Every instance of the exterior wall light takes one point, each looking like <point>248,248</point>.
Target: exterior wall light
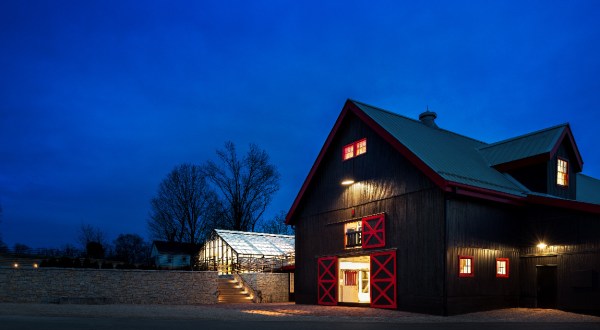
<point>347,182</point>
<point>16,265</point>
<point>35,265</point>
<point>541,245</point>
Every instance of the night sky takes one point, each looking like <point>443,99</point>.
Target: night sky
<point>99,100</point>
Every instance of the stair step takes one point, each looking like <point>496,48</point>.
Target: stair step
<point>231,292</point>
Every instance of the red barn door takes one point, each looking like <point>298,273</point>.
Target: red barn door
<point>383,279</point>
<point>373,231</point>
<point>327,280</point>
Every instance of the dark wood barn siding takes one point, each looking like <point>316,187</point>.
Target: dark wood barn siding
<point>485,231</point>
<point>564,151</point>
<point>534,177</point>
<point>573,241</point>
<point>385,182</point>
<point>527,278</point>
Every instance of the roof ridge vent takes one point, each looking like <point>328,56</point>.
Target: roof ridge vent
<point>428,118</point>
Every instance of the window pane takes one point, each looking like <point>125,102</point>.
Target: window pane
<point>501,267</point>
<point>353,232</point>
<point>562,172</point>
<point>348,152</point>
<point>465,266</point>
<point>361,147</point>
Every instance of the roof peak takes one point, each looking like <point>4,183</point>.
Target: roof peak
<point>518,137</point>
<point>417,121</point>
<point>240,232</point>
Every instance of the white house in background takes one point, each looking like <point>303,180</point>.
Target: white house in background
<point>172,255</point>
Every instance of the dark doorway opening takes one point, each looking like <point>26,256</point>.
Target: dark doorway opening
<point>546,286</point>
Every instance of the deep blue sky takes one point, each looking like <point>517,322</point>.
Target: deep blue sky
<point>99,100</point>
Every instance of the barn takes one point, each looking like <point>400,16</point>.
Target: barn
<point>399,213</point>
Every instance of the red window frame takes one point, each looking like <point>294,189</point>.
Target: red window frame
<point>472,264</point>
<point>345,154</point>
<point>559,173</point>
<point>507,267</point>
<point>354,146</point>
<point>373,231</point>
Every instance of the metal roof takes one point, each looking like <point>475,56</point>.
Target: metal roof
<point>257,243</point>
<point>455,157</point>
<point>523,146</point>
<point>463,160</point>
<point>588,189</point>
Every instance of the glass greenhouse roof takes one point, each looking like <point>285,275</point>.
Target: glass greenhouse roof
<point>257,243</point>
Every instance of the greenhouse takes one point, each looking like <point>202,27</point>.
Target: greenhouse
<point>228,251</point>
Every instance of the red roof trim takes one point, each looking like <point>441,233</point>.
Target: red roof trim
<point>523,162</point>
<point>403,150</point>
<point>564,203</point>
<point>481,193</point>
<point>349,106</point>
<point>313,169</point>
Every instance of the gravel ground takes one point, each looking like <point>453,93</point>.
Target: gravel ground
<point>285,312</point>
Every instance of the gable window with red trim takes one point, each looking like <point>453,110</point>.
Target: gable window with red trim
<point>354,149</point>
<point>502,267</point>
<point>465,266</point>
<point>562,172</point>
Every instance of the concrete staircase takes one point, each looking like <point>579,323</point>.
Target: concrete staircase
<point>231,292</point>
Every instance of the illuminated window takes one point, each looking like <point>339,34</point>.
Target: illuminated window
<point>465,266</point>
<point>350,277</point>
<point>354,149</point>
<point>562,173</point>
<point>361,147</point>
<point>502,267</point>
<point>353,232</point>
<point>348,151</point>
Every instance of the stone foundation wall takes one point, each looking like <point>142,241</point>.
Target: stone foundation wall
<point>62,285</point>
<point>271,287</point>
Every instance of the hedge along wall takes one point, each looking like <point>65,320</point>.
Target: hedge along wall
<point>273,287</point>
<point>56,285</point>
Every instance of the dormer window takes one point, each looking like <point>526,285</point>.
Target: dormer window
<point>354,149</point>
<point>562,173</point>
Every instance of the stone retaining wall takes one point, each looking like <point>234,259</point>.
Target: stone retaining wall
<point>64,285</point>
<point>271,287</point>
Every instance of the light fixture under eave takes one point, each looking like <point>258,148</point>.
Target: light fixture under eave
<point>347,182</point>
<point>541,245</point>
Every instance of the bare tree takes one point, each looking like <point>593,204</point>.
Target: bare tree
<point>245,185</point>
<point>131,248</point>
<point>90,234</point>
<point>182,210</point>
<point>276,225</point>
